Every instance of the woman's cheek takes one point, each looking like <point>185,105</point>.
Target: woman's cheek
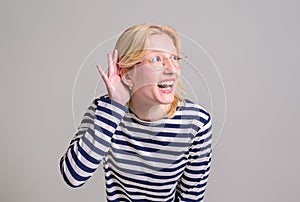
<point>145,78</point>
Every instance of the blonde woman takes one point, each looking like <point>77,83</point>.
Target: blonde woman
<point>154,144</point>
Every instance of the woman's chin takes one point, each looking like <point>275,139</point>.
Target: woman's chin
<point>166,98</point>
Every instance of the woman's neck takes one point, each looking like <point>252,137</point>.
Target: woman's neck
<point>149,112</point>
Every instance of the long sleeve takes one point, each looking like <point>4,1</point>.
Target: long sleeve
<point>192,184</point>
<point>92,141</point>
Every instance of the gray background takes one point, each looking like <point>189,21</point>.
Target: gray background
<point>255,45</point>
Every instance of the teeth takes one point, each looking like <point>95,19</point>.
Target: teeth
<point>166,83</point>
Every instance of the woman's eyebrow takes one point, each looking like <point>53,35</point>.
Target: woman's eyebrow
<point>161,51</point>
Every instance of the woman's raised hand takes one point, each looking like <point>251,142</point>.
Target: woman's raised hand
<point>117,90</point>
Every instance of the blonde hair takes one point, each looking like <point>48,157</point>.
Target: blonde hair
<point>132,45</point>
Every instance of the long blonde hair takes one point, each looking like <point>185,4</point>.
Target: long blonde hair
<point>132,45</point>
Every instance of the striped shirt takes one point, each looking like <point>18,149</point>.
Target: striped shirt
<point>164,160</point>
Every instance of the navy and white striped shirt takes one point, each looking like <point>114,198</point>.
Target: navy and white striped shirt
<point>164,160</point>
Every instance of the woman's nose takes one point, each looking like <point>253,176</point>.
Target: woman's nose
<point>169,67</point>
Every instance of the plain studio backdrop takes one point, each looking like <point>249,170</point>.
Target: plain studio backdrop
<point>48,77</point>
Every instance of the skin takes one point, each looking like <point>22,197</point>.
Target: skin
<point>147,100</point>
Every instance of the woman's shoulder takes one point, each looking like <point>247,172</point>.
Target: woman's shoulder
<point>191,105</point>
<point>195,110</point>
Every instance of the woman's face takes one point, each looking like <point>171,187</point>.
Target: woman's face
<point>154,86</point>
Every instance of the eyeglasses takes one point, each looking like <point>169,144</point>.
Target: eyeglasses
<point>158,61</point>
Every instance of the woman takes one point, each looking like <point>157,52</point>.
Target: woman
<point>153,144</point>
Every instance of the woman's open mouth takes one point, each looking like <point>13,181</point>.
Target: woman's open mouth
<point>166,86</point>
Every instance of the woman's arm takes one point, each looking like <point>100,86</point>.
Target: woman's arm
<point>92,141</point>
<point>192,184</point>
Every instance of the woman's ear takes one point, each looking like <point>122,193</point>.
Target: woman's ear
<point>126,77</point>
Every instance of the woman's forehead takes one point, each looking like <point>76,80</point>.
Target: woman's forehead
<point>161,42</point>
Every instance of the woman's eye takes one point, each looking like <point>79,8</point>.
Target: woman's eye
<point>174,57</point>
<point>156,59</point>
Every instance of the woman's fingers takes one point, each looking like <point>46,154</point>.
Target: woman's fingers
<point>116,89</point>
<point>103,74</point>
<point>115,56</point>
<point>115,60</point>
<point>110,65</point>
